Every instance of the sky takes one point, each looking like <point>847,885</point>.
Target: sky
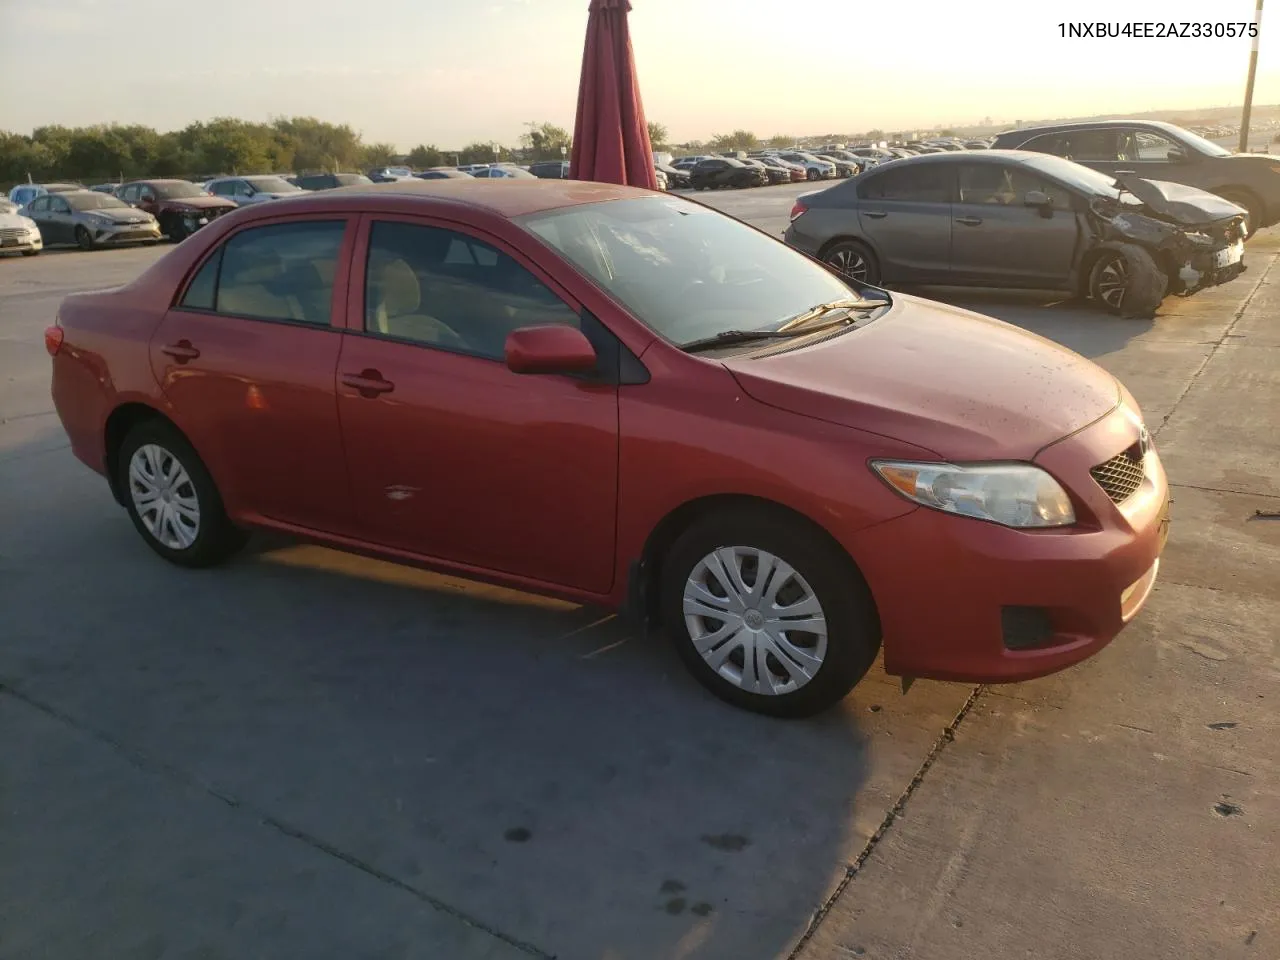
<point>450,72</point>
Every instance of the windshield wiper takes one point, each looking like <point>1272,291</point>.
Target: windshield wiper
<point>729,338</point>
<point>822,309</point>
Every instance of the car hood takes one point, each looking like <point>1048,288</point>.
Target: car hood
<point>197,203</point>
<point>1188,206</point>
<point>965,386</point>
<point>127,215</point>
<point>12,221</point>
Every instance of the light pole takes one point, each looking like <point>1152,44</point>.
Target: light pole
<point>1248,89</point>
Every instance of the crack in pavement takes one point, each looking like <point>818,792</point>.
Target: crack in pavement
<point>1217,345</point>
<point>159,767</point>
<point>947,736</point>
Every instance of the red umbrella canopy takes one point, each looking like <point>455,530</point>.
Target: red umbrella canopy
<point>610,135</point>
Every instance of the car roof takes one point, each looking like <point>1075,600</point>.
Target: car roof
<point>961,156</point>
<point>154,180</point>
<point>504,197</point>
<point>1090,125</point>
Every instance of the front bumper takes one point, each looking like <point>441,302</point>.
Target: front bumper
<point>15,242</point>
<point>1209,269</point>
<point>126,233</point>
<point>958,598</point>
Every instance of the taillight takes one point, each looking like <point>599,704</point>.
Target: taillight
<point>53,339</point>
<point>796,211</point>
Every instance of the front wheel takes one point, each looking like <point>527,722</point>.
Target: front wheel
<point>172,499</point>
<point>1127,282</point>
<point>1253,216</point>
<point>768,615</point>
<point>30,253</point>
<point>84,239</point>
<point>177,230</point>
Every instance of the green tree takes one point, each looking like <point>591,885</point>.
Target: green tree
<point>544,141</point>
<point>657,134</point>
<point>876,135</point>
<point>482,153</point>
<point>380,154</point>
<point>780,140</point>
<point>319,146</point>
<point>425,155</point>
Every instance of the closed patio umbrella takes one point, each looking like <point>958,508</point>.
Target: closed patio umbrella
<point>610,136</point>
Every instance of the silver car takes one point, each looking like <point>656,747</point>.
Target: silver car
<point>90,220</point>
<point>255,189</point>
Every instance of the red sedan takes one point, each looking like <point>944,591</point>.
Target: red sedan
<point>628,399</point>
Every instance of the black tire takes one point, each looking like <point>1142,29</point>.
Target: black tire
<point>176,230</point>
<point>1242,198</point>
<point>853,629</point>
<point>30,253</point>
<point>854,260</point>
<point>216,538</point>
<point>84,239</point>
<point>812,175</point>
<point>1127,281</point>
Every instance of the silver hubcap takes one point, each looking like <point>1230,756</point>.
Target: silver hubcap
<point>164,497</point>
<point>755,620</point>
<point>850,263</point>
<point>1113,280</point>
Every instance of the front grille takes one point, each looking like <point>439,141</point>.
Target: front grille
<point>12,233</point>
<point>1122,475</point>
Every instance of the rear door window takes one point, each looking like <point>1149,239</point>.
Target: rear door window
<point>912,183</point>
<point>280,272</point>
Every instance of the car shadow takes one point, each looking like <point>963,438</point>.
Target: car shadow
<point>535,766</point>
<point>1073,323</point>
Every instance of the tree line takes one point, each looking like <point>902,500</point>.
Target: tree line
<point>227,145</point>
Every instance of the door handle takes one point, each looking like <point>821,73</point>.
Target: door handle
<point>969,221</point>
<point>368,383</point>
<point>876,214</point>
<point>1126,171</point>
<point>182,351</point>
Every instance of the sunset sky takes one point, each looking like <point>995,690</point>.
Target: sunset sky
<point>452,71</point>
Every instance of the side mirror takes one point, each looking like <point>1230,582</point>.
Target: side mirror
<point>1036,198</point>
<point>1176,155</point>
<point>549,348</point>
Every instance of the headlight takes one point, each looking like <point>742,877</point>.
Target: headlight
<point>1012,494</point>
<point>28,223</point>
<point>1200,239</point>
<point>101,221</point>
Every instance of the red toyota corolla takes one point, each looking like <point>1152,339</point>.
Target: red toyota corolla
<point>628,399</point>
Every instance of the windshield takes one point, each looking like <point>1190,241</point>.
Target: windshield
<point>273,185</point>
<point>1201,144</point>
<point>1074,175</point>
<point>686,271</point>
<point>93,201</point>
<point>176,191</point>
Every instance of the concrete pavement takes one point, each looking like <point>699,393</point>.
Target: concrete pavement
<point>311,754</point>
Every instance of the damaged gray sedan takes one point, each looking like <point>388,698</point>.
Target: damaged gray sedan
<point>1006,218</point>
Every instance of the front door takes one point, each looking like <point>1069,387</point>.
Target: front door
<point>248,358</point>
<point>450,454</point>
<point>38,210</point>
<point>906,214</point>
<point>997,240</point>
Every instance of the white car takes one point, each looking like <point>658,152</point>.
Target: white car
<point>18,234</point>
<point>256,189</point>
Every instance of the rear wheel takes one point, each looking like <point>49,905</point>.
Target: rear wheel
<point>811,175</point>
<point>84,238</point>
<point>767,614</point>
<point>1128,282</point>
<point>854,261</point>
<point>172,499</point>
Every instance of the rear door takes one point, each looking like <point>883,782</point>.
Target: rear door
<point>451,455</point>
<point>997,239</point>
<point>1095,147</point>
<point>247,358</point>
<point>905,211</point>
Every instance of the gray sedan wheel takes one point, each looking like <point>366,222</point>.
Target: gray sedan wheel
<point>853,261</point>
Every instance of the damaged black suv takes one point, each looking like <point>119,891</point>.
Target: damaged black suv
<point>1003,218</point>
<point>1155,150</point>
